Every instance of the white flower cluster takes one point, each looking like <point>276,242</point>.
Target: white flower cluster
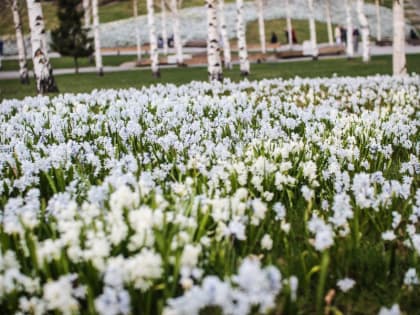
<point>252,286</point>
<point>144,195</point>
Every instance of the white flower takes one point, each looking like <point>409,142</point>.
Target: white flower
<point>113,302</point>
<point>394,310</point>
<point>388,235</point>
<point>346,284</point>
<point>266,242</point>
<point>411,277</point>
<point>190,255</point>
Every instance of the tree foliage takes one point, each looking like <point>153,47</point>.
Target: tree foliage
<point>70,38</point>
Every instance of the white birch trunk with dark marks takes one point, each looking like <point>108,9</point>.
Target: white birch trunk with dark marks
<point>378,21</point>
<point>312,30</point>
<point>225,38</point>
<point>399,67</point>
<point>176,31</point>
<point>97,40</point>
<point>136,25</point>
<point>87,13</point>
<point>261,26</point>
<point>289,24</point>
<point>23,64</point>
<point>329,23</point>
<point>364,26</point>
<point>349,36</point>
<point>213,50</point>
<point>42,68</point>
<point>164,29</point>
<point>154,54</point>
<point>240,30</point>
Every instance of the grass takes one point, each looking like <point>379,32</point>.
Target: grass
<point>67,62</point>
<point>116,10</point>
<point>113,11</point>
<point>87,82</point>
<point>279,26</point>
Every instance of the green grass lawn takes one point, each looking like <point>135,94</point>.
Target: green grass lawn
<point>67,62</point>
<point>115,10</point>
<point>279,26</point>
<point>136,79</point>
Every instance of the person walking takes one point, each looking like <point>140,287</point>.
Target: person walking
<point>356,35</point>
<point>337,34</point>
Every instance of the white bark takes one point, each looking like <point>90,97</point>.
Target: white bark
<point>23,65</point>
<point>378,21</point>
<point>312,30</point>
<point>225,38</point>
<point>42,67</point>
<point>87,12</point>
<point>97,40</point>
<point>289,24</point>
<point>364,26</point>
<point>164,30</point>
<point>349,47</point>
<point>399,66</point>
<point>176,31</point>
<point>154,57</point>
<point>261,27</point>
<point>136,22</point>
<point>213,50</point>
<point>329,23</point>
<point>240,30</point>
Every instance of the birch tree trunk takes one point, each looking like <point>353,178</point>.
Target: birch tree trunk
<point>23,65</point>
<point>261,26</point>
<point>240,30</point>
<point>154,57</point>
<point>176,31</point>
<point>378,22</point>
<point>349,44</point>
<point>87,12</point>
<point>329,23</point>
<point>399,66</point>
<point>164,30</point>
<point>289,24</point>
<point>213,50</point>
<point>97,40</point>
<point>225,39</point>
<point>136,23</point>
<point>364,30</point>
<point>312,30</point>
<point>42,68</point>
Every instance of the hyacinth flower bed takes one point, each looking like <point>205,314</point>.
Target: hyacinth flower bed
<point>277,197</point>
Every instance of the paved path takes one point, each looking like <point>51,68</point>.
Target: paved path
<point>375,51</point>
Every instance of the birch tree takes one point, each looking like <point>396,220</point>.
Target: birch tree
<point>136,23</point>
<point>213,50</point>
<point>154,57</point>
<point>97,40</point>
<point>349,21</point>
<point>312,30</point>
<point>23,64</point>
<point>398,46</point>
<point>329,23</point>
<point>364,26</point>
<point>164,30</point>
<point>240,30</point>
<point>176,31</point>
<point>289,24</point>
<point>42,67</point>
<point>261,26</point>
<point>378,21</point>
<point>87,12</point>
<point>225,38</point>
